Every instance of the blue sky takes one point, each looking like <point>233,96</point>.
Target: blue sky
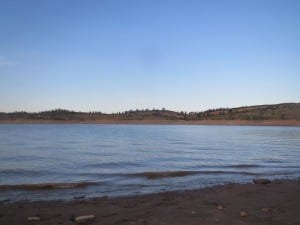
<point>117,55</point>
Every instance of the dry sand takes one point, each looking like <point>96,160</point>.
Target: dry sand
<point>274,203</point>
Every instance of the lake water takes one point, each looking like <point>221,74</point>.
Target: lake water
<point>113,160</point>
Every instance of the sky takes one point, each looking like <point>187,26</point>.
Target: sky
<point>112,56</point>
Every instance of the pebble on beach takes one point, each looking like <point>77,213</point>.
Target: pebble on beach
<point>33,218</point>
<point>265,210</point>
<point>83,219</point>
<point>220,207</point>
<point>243,214</point>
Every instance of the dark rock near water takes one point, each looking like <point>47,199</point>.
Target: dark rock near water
<point>261,181</point>
<point>79,197</point>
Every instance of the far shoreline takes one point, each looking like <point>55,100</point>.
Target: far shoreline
<point>162,122</point>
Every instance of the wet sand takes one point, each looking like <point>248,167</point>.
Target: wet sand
<point>274,203</point>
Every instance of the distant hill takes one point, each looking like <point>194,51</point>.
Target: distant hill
<point>284,111</point>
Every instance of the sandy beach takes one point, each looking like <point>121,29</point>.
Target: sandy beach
<point>274,203</point>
